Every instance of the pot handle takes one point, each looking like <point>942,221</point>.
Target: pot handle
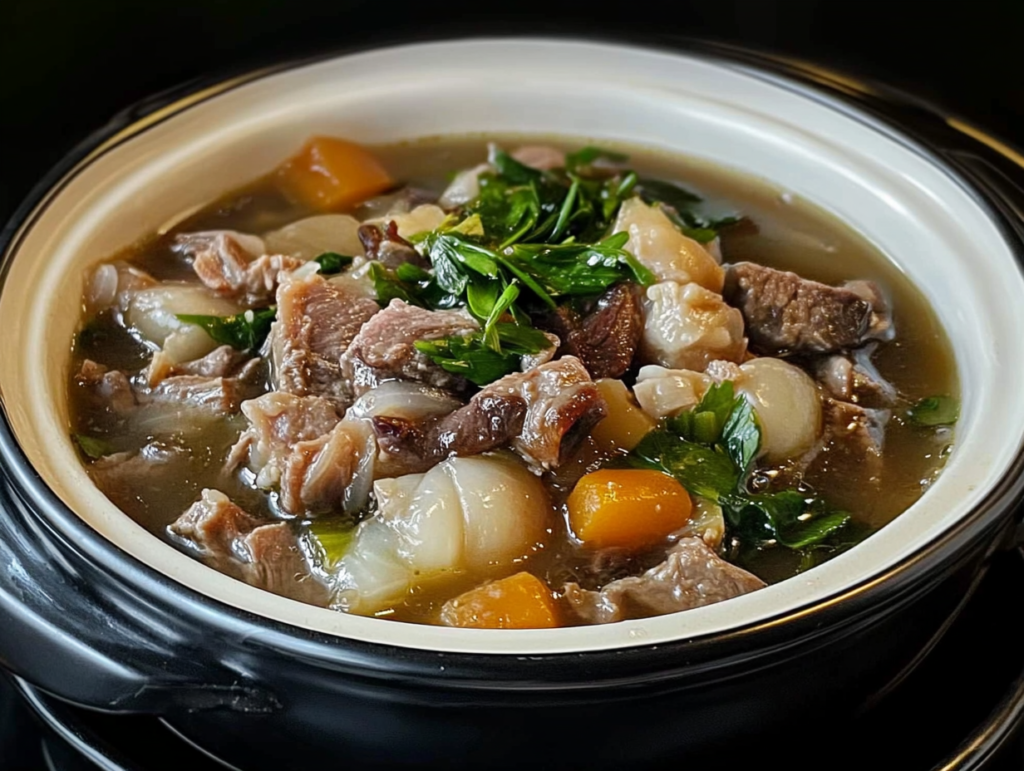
<point>81,636</point>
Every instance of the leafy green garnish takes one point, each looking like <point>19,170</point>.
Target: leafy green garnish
<point>332,262</point>
<point>244,331</point>
<point>587,155</point>
<point>482,361</point>
<point>92,447</point>
<point>711,450</point>
<point>935,411</point>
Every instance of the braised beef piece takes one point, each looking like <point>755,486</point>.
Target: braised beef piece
<point>605,338</point>
<point>300,447</point>
<point>108,391</point>
<point>384,348</point>
<point>853,378</point>
<point>542,414</point>
<point>691,576</point>
<point>233,541</point>
<point>785,313</point>
<point>120,475</point>
<point>316,322</point>
<point>386,246</point>
<point>225,262</point>
<point>219,395</point>
<point>852,434</point>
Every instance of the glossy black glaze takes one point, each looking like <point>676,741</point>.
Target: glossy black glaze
<point>86,622</point>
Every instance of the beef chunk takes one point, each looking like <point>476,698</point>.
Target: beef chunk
<point>785,313</point>
<point>384,347</point>
<point>316,321</point>
<point>853,434</point>
<point>542,414</point>
<point>691,576</point>
<point>157,466</point>
<point>233,265</point>
<point>108,391</point>
<point>853,378</point>
<point>218,395</point>
<point>239,544</point>
<point>606,338</point>
<point>389,248</point>
<point>299,446</point>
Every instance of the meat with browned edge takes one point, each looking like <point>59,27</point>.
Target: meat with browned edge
<point>606,338</point>
<point>785,313</point>
<point>389,248</point>
<point>543,414</point>
<point>691,576</point>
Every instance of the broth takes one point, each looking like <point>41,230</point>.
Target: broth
<point>788,234</point>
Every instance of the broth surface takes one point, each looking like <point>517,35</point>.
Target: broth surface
<point>787,233</point>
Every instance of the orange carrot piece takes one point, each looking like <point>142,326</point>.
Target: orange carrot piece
<point>628,508</point>
<point>521,601</point>
<point>331,174</point>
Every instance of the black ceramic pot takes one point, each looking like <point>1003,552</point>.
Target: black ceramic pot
<point>87,617</point>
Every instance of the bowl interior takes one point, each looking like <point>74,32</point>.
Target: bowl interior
<point>928,225</point>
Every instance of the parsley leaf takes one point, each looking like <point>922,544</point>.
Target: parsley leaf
<point>935,411</point>
<point>244,331</point>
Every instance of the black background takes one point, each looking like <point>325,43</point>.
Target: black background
<point>66,66</point>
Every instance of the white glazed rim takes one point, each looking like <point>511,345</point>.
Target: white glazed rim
<point>931,227</point>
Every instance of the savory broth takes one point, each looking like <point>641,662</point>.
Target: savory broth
<point>777,230</point>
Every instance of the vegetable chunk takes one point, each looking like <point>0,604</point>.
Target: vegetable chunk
<point>628,508</point>
<point>521,601</point>
<point>331,174</point>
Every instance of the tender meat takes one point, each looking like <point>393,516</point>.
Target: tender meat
<point>300,447</point>
<point>542,414</point>
<point>853,378</point>
<point>236,543</point>
<point>109,391</point>
<point>785,313</point>
<point>384,347</point>
<point>386,246</point>
<point>663,249</point>
<point>221,362</point>
<point>541,157</point>
<point>234,265</point>
<point>606,338</point>
<point>687,327</point>
<point>119,475</point>
<point>219,395</point>
<point>316,321</point>
<point>691,576</point>
<point>880,326</point>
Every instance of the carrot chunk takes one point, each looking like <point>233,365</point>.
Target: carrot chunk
<point>628,508</point>
<point>521,601</point>
<point>331,174</point>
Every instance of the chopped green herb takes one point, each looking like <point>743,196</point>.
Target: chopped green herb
<point>332,262</point>
<point>711,450</point>
<point>244,331</point>
<point>935,411</point>
<point>480,363</point>
<point>92,447</point>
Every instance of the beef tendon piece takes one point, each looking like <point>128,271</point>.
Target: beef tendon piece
<point>785,313</point>
<point>687,327</point>
<point>691,576</point>
<point>316,321</point>
<point>300,447</point>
